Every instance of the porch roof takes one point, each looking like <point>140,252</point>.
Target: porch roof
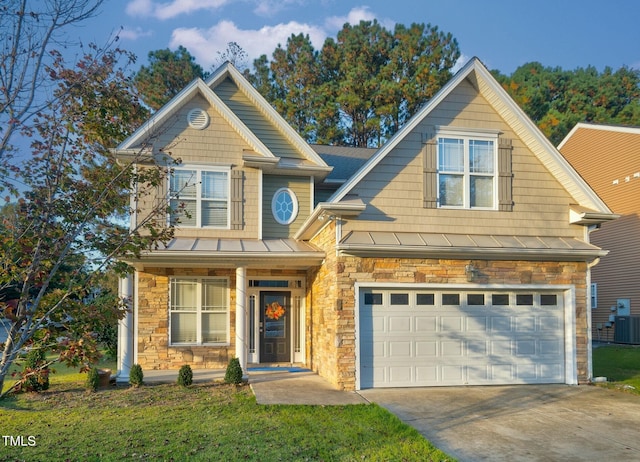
<point>468,246</point>
<point>232,253</point>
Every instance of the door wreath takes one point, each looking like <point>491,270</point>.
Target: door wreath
<point>274,311</point>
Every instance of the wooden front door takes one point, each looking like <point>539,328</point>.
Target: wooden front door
<point>275,327</point>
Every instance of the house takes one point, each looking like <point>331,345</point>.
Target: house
<point>608,158</point>
<point>456,254</point>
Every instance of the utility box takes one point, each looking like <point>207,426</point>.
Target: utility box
<point>627,329</point>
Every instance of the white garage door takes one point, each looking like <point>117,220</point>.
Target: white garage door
<point>429,338</point>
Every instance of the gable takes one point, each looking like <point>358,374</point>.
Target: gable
<point>255,121</point>
<point>477,76</point>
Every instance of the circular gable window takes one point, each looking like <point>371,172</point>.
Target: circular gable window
<point>284,206</point>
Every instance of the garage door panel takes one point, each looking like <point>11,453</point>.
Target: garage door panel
<point>424,345</point>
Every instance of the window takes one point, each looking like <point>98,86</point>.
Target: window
<point>199,198</point>
<point>594,295</point>
<point>467,171</point>
<point>284,206</point>
<point>199,311</point>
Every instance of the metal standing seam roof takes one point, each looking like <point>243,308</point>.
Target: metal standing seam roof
<point>211,246</point>
<point>468,245</point>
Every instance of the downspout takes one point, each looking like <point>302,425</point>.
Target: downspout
<point>590,265</point>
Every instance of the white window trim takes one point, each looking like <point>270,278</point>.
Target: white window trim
<point>199,281</point>
<point>198,182</point>
<point>468,134</point>
<point>295,211</point>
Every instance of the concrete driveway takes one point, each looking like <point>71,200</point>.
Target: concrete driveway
<point>521,423</point>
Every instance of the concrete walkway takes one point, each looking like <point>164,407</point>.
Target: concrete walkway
<point>274,385</point>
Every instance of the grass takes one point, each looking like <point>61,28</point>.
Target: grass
<point>620,364</point>
<point>211,422</point>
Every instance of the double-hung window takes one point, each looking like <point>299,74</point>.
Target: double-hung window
<point>199,197</point>
<point>199,311</point>
<point>467,173</point>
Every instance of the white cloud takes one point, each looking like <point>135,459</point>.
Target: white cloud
<point>204,44</point>
<point>134,34</point>
<point>361,13</point>
<point>172,9</point>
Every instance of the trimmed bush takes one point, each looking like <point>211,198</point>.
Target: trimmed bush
<point>93,379</point>
<point>136,376</point>
<point>185,376</point>
<point>35,376</point>
<point>234,372</point>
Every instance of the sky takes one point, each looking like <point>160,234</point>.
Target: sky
<point>503,34</point>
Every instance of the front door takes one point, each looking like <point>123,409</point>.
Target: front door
<point>275,322</point>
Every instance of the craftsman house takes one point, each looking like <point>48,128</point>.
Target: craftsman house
<point>456,254</point>
<point>608,158</point>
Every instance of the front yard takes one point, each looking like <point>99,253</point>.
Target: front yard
<point>209,422</point>
<point>620,364</point>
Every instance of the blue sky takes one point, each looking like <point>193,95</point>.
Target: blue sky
<point>503,34</point>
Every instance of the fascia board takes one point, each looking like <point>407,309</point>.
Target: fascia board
<point>314,223</point>
<point>159,117</point>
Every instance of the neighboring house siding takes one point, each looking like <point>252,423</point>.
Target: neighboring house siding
<point>301,186</point>
<point>255,120</point>
<point>394,188</point>
<point>602,155</point>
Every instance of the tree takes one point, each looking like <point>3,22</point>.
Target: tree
<point>30,30</point>
<point>295,79</point>
<point>167,74</point>
<point>361,87</point>
<point>556,99</point>
<point>70,223</point>
<point>235,55</point>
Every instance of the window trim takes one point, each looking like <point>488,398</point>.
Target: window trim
<point>295,205</point>
<point>468,135</point>
<point>199,170</point>
<point>199,312</point>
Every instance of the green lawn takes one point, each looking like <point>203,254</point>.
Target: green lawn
<point>620,364</point>
<point>209,422</point>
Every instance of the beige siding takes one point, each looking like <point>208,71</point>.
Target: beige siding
<point>394,188</point>
<point>301,186</point>
<point>218,144</point>
<point>256,121</point>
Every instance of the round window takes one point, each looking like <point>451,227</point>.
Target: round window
<point>284,206</point>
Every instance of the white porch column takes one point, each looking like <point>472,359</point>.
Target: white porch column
<point>125,330</point>
<point>241,318</point>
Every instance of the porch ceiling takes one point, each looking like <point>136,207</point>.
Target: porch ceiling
<point>232,253</point>
<point>467,246</point>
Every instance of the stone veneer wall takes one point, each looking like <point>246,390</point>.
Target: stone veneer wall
<point>333,297</point>
<point>154,351</point>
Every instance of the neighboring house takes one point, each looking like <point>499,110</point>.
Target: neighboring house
<point>608,158</point>
<point>456,254</point>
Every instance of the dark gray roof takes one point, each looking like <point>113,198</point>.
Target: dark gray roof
<point>345,160</point>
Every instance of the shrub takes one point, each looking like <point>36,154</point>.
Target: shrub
<point>93,378</point>
<point>185,376</point>
<point>136,375</point>
<point>234,372</point>
<point>35,375</point>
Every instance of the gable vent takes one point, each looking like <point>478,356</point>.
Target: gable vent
<point>198,118</point>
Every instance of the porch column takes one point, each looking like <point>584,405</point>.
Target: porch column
<point>241,318</point>
<point>125,330</point>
